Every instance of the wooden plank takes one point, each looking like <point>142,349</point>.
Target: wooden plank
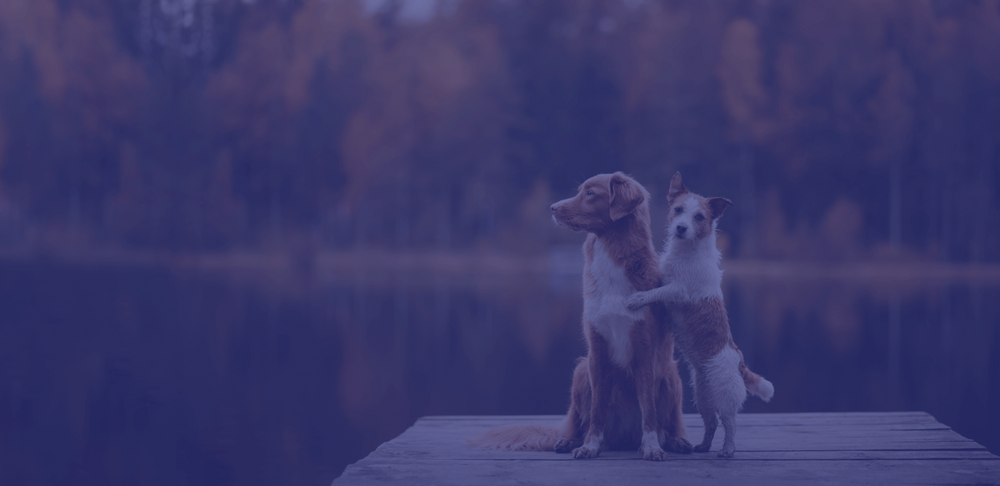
<point>741,455</point>
<point>692,417</point>
<point>447,437</point>
<point>693,420</point>
<point>776,440</point>
<point>604,472</point>
<point>906,447</point>
<point>476,427</point>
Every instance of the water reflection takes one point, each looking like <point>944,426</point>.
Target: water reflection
<point>160,376</point>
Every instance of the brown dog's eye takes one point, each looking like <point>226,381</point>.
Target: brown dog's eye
<point>678,210</point>
<point>590,193</point>
<point>699,217</point>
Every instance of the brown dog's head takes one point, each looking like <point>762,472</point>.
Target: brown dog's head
<point>602,201</point>
<point>692,217</point>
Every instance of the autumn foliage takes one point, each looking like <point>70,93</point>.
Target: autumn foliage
<point>841,130</point>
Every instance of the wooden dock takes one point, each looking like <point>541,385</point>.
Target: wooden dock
<point>780,448</point>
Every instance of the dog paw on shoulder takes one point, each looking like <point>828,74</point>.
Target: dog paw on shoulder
<point>584,452</point>
<point>636,301</point>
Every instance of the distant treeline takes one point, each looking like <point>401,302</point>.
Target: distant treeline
<point>841,130</point>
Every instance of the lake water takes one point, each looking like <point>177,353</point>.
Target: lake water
<point>121,375</point>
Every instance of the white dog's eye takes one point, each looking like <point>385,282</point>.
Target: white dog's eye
<point>699,217</point>
<point>678,210</point>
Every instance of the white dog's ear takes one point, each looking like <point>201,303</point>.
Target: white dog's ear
<point>717,205</point>
<point>625,196</point>
<point>677,188</point>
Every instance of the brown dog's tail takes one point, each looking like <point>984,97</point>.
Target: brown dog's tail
<point>756,384</point>
<point>528,437</point>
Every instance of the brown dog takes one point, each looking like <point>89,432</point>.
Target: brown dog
<point>626,393</point>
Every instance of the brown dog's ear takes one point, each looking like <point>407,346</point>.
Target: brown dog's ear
<point>717,205</point>
<point>625,196</point>
<point>677,188</point>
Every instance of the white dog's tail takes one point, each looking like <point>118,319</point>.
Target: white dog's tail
<point>527,437</point>
<point>756,384</point>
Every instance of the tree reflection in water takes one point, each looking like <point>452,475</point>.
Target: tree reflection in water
<point>162,376</point>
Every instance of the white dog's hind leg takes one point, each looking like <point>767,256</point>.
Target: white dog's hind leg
<point>709,415</point>
<point>729,444</point>
<point>725,389</point>
<point>711,423</point>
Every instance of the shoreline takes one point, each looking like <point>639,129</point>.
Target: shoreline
<point>559,262</point>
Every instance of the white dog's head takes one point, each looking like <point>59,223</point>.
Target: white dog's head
<point>692,218</point>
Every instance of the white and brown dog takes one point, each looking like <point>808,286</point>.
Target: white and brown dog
<point>626,393</point>
<point>692,290</point>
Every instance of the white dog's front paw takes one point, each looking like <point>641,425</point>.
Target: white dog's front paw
<point>637,300</point>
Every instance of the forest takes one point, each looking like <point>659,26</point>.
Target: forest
<point>855,129</point>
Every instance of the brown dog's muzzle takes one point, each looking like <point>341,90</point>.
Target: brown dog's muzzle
<point>559,213</point>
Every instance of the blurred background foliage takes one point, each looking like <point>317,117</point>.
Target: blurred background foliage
<point>414,147</point>
<point>856,129</point>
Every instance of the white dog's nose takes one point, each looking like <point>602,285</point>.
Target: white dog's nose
<point>681,229</point>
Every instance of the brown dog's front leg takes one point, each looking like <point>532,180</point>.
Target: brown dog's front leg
<point>579,409</point>
<point>646,389</point>
<point>669,397</point>
<point>598,363</point>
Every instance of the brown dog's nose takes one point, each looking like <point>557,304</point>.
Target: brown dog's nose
<point>552,208</point>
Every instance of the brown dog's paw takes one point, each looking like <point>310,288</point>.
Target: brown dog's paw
<point>702,447</point>
<point>727,453</point>
<point>655,455</point>
<point>679,445</point>
<point>584,452</point>
<point>567,445</point>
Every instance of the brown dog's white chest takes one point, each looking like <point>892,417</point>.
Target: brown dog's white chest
<point>606,286</point>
